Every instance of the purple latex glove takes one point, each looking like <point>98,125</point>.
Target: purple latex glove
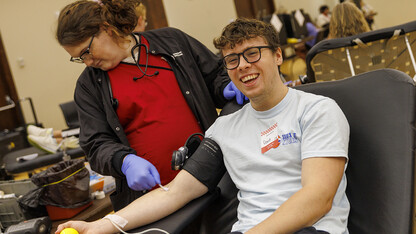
<point>140,173</point>
<point>231,91</point>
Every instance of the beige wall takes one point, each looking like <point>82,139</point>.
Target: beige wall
<point>28,26</point>
<point>202,19</point>
<point>391,13</point>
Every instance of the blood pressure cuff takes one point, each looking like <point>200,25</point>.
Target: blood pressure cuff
<point>206,164</point>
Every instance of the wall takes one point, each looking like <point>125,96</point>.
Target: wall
<point>28,27</point>
<point>391,13</point>
<point>202,19</point>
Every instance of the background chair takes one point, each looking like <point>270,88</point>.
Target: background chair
<point>69,110</point>
<point>380,108</point>
<point>15,139</point>
<point>392,47</point>
<point>285,23</point>
<point>15,162</point>
<point>299,27</point>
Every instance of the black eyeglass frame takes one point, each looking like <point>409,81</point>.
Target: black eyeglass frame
<point>80,59</point>
<point>245,58</point>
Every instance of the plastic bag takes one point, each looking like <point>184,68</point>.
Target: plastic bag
<point>65,184</point>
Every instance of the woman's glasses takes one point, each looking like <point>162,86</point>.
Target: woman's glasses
<point>85,55</point>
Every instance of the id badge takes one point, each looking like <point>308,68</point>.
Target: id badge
<point>270,139</point>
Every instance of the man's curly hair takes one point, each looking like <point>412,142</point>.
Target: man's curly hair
<point>243,29</point>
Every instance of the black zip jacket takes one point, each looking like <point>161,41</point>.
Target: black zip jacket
<point>201,78</point>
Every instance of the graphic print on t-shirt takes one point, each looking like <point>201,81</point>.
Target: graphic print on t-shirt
<point>270,138</point>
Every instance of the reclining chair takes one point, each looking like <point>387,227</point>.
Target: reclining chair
<point>335,59</point>
<point>15,162</point>
<point>380,108</point>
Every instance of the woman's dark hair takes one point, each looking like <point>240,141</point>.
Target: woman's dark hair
<point>243,29</point>
<point>81,19</point>
<point>323,8</point>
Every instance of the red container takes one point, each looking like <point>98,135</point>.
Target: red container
<point>58,213</point>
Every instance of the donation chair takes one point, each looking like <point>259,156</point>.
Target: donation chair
<point>380,108</point>
<point>29,159</point>
<point>393,47</point>
<point>299,24</point>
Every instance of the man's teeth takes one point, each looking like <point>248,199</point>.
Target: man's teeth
<point>249,77</point>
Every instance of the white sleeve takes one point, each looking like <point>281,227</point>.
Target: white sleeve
<point>325,131</point>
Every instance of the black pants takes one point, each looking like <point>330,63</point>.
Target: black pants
<point>307,230</point>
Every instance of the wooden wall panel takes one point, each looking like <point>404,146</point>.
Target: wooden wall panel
<point>11,118</point>
<point>254,9</point>
<point>156,16</point>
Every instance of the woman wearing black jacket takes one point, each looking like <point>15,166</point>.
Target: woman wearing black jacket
<point>140,96</point>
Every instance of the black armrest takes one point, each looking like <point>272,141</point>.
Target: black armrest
<point>43,159</point>
<point>177,221</point>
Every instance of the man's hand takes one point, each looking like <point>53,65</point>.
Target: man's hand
<point>101,226</point>
<point>140,173</point>
<point>231,91</point>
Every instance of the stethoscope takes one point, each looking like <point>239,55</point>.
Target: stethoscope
<point>138,45</point>
<point>114,101</point>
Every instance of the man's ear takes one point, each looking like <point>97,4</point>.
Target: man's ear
<point>279,56</point>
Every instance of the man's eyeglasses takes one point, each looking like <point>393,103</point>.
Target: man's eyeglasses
<point>85,55</point>
<point>251,55</point>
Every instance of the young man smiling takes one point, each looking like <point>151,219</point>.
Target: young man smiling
<point>286,151</point>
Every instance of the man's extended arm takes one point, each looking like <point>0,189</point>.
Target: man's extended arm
<point>320,181</point>
<point>148,208</point>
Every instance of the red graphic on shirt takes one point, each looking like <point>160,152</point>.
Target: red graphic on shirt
<point>273,144</point>
<point>270,139</point>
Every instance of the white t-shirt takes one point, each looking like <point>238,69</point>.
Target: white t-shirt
<point>263,153</point>
<point>322,20</point>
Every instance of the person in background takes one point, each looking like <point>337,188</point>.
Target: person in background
<point>367,10</point>
<point>301,49</point>
<point>369,14</point>
<point>286,151</point>
<point>51,140</point>
<point>141,94</point>
<point>324,16</point>
<point>142,19</point>
<point>347,20</point>
<point>312,32</point>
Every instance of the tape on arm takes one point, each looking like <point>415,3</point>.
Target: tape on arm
<point>117,220</point>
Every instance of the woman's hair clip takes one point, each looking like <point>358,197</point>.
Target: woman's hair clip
<point>98,1</point>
